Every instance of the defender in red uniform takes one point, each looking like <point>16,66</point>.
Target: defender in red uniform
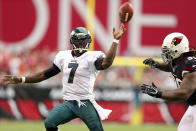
<point>181,62</point>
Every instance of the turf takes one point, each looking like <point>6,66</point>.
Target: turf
<point>39,126</point>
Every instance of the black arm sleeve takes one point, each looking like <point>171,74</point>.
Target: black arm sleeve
<point>52,71</point>
<point>98,63</point>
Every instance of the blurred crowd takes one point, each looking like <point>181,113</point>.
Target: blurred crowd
<point>26,62</point>
<point>32,61</point>
<point>126,77</point>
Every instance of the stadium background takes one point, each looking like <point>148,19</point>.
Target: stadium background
<point>33,31</point>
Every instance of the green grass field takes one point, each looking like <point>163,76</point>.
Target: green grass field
<point>39,126</point>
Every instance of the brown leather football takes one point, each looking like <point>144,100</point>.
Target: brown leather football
<point>125,12</point>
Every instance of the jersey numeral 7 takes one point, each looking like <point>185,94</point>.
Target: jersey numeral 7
<point>73,67</point>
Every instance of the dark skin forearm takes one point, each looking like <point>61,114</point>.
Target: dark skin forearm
<point>9,79</point>
<point>155,64</point>
<point>38,77</point>
<point>35,78</point>
<point>163,67</point>
<point>187,88</point>
<point>110,55</point>
<point>175,95</point>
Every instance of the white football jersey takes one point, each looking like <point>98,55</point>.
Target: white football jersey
<point>79,73</point>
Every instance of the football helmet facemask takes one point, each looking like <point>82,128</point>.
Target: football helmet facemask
<point>173,46</point>
<point>80,39</point>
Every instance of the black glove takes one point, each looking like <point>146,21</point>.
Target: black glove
<point>152,63</point>
<point>151,90</point>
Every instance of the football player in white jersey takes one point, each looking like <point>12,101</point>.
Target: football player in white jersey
<point>79,68</point>
<point>181,62</point>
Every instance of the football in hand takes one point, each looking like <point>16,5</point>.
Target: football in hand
<point>125,12</point>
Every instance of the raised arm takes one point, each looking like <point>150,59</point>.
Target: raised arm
<point>154,64</point>
<point>37,77</point>
<point>104,63</point>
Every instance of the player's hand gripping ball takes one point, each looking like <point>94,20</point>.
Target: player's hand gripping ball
<point>125,12</point>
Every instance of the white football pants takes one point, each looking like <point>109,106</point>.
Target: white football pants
<point>188,121</point>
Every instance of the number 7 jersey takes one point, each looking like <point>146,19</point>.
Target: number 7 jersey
<point>79,73</point>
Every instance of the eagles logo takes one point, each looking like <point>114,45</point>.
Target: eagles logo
<point>176,40</point>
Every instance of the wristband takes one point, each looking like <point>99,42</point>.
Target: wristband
<point>116,41</point>
<point>23,79</point>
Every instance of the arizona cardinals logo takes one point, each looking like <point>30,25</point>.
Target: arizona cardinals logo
<point>176,40</point>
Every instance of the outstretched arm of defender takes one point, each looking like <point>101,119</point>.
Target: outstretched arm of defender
<point>187,88</point>
<point>154,64</point>
<point>38,77</point>
<point>110,55</point>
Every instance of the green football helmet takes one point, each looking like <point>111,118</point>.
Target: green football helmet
<point>80,39</point>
